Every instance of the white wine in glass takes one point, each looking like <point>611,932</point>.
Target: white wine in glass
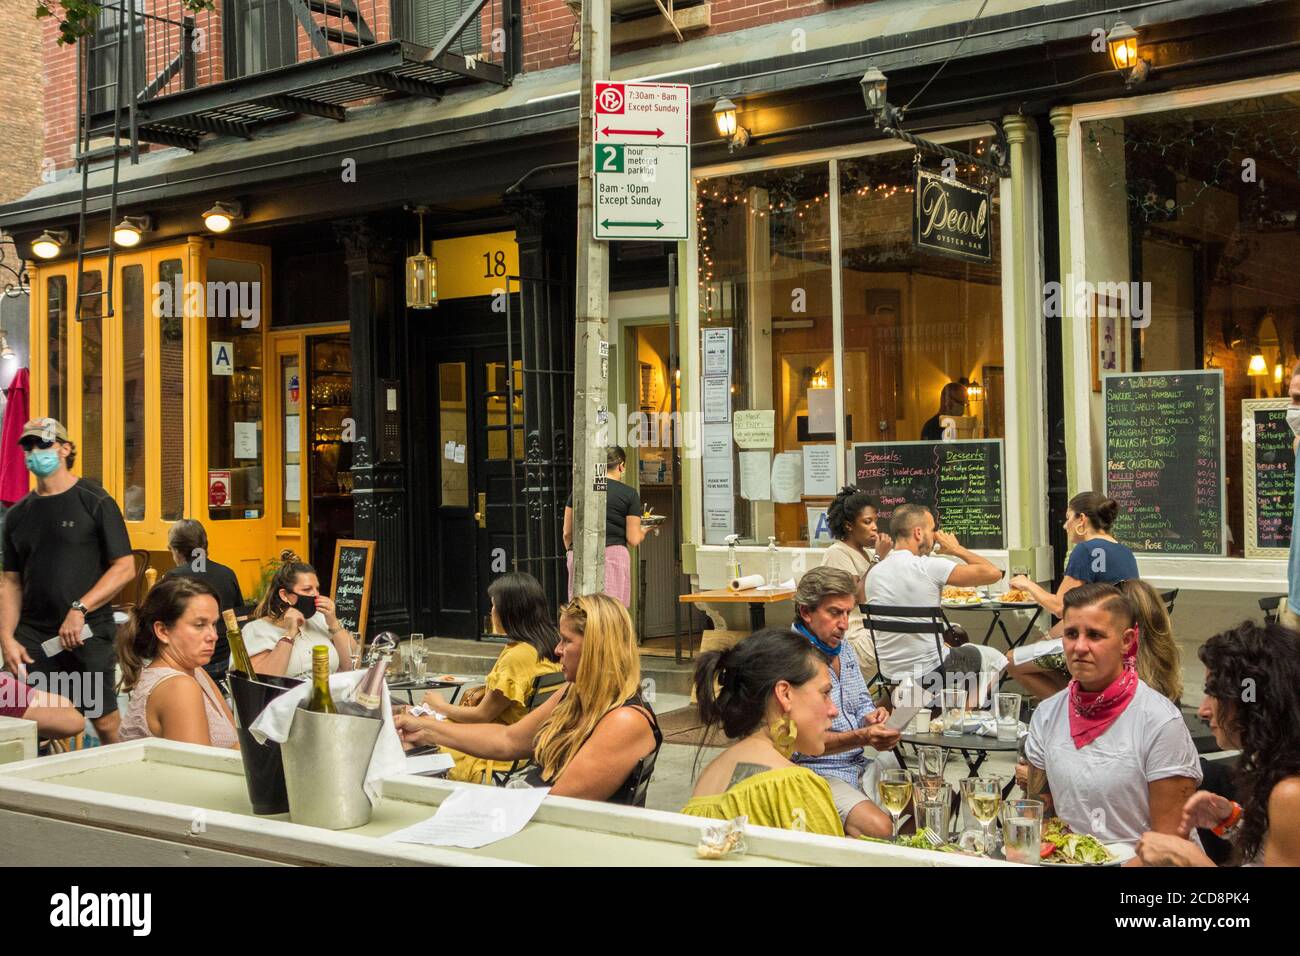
<point>983,796</point>
<point>895,793</point>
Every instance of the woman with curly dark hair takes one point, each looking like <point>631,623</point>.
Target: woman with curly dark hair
<point>859,546</point>
<point>1252,701</point>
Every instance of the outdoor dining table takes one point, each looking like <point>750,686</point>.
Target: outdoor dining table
<point>757,598</point>
<point>997,609</point>
<point>410,686</point>
<point>974,749</point>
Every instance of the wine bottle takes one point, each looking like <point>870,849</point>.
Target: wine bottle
<point>320,699</point>
<point>239,658</point>
<point>369,693</point>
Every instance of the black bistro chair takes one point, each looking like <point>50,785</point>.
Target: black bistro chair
<point>1269,605</point>
<point>543,687</point>
<point>902,619</point>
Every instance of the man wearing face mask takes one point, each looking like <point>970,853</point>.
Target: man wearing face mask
<point>1290,613</point>
<point>66,554</point>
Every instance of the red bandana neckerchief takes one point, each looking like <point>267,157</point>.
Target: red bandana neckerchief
<point>1092,713</point>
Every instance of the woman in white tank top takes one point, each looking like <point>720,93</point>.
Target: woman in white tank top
<point>161,651</point>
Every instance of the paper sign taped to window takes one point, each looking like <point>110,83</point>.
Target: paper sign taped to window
<point>755,428</point>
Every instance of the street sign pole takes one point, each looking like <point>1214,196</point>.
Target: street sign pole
<point>591,338</point>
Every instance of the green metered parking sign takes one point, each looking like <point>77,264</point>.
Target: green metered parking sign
<point>642,161</point>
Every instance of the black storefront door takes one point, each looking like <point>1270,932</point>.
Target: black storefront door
<point>478,428</point>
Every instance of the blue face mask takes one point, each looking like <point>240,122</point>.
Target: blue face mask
<point>43,462</point>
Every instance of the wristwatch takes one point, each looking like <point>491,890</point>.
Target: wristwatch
<point>78,606</point>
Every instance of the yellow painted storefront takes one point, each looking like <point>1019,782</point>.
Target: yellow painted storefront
<point>154,422</point>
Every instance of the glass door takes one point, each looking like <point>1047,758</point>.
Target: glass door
<point>332,430</point>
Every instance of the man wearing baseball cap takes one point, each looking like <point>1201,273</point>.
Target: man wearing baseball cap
<point>66,554</point>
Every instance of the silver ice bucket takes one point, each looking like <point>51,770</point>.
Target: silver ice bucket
<point>325,762</point>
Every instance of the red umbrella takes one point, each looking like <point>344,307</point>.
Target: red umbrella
<point>14,480</point>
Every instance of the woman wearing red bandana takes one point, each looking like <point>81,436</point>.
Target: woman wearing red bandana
<point>1110,756</point>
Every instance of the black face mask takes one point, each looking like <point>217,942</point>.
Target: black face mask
<point>304,604</point>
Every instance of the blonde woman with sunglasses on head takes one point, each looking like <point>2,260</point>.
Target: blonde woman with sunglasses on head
<point>596,738</point>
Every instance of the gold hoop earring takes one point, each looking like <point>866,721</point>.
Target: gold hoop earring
<point>783,733</point>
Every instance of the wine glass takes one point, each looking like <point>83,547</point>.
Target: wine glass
<point>417,652</point>
<point>984,797</point>
<point>895,793</point>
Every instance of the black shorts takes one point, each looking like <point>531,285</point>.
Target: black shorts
<point>85,675</point>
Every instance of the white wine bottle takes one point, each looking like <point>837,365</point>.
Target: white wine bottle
<point>239,658</point>
<point>320,700</point>
<point>369,693</point>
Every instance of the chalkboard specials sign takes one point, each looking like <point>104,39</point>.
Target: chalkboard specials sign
<point>354,563</point>
<point>1164,460</point>
<point>1268,476</point>
<point>952,218</point>
<point>961,482</point>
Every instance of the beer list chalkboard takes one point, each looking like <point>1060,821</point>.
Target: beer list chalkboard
<point>960,481</point>
<point>1268,477</point>
<point>1164,460</point>
<point>353,565</point>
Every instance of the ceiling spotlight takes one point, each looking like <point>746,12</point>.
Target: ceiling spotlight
<point>131,230</point>
<point>221,215</point>
<point>50,243</point>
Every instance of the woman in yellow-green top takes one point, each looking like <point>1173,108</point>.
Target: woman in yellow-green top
<point>773,691</point>
<point>520,612</point>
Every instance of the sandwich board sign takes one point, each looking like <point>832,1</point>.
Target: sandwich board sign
<point>642,162</point>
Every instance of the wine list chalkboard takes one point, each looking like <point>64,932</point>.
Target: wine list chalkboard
<point>354,562</point>
<point>1268,477</point>
<point>960,481</point>
<point>1164,460</point>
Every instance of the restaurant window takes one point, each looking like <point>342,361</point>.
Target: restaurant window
<point>171,378</point>
<point>915,326</point>
<point>453,427</point>
<point>1193,218</point>
<point>291,450</point>
<point>134,477</point>
<point>56,306</point>
<point>235,447</point>
<point>91,452</point>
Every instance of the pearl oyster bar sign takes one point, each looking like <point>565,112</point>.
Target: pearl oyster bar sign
<point>642,161</point>
<point>952,218</point>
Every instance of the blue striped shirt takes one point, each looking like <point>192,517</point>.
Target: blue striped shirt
<point>853,701</point>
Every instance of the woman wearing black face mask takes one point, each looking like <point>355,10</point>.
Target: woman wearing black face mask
<point>292,618</point>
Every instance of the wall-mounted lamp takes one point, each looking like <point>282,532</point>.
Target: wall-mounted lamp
<point>1122,43</point>
<point>222,214</point>
<point>50,243</point>
<point>974,392</point>
<point>1277,373</point>
<point>421,273</point>
<point>888,119</point>
<point>724,114</point>
<point>1257,365</point>
<point>131,230</point>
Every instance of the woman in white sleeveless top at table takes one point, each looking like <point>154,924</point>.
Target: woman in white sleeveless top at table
<point>162,650</point>
<point>852,520</point>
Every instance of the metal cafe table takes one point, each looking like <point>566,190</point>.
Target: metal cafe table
<point>997,609</point>
<point>410,686</point>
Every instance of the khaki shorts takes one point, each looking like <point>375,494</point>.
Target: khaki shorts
<point>846,796</point>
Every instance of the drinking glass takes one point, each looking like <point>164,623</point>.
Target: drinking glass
<point>932,810</point>
<point>418,652</point>
<point>1008,712</point>
<point>895,793</point>
<point>931,761</point>
<point>954,711</point>
<point>355,656</point>
<point>1022,831</point>
<point>983,796</point>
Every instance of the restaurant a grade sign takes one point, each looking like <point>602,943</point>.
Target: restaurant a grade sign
<point>642,160</point>
<point>952,218</point>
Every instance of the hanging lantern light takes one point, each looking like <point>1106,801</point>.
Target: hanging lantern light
<point>421,274</point>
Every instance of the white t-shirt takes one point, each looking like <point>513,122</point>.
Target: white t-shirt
<point>907,580</point>
<point>261,635</point>
<point>1101,788</point>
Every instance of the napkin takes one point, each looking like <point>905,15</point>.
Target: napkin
<point>747,582</point>
<point>986,725</point>
<point>388,758</point>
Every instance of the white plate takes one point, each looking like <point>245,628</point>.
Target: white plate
<point>1121,853</point>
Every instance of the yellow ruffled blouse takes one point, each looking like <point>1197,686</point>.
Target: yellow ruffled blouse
<point>513,674</point>
<point>788,798</point>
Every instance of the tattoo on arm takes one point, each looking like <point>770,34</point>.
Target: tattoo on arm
<point>744,771</point>
<point>1037,789</point>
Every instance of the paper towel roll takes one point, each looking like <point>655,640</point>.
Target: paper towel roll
<point>747,582</point>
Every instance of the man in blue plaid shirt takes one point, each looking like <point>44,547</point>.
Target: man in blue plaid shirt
<point>822,604</point>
